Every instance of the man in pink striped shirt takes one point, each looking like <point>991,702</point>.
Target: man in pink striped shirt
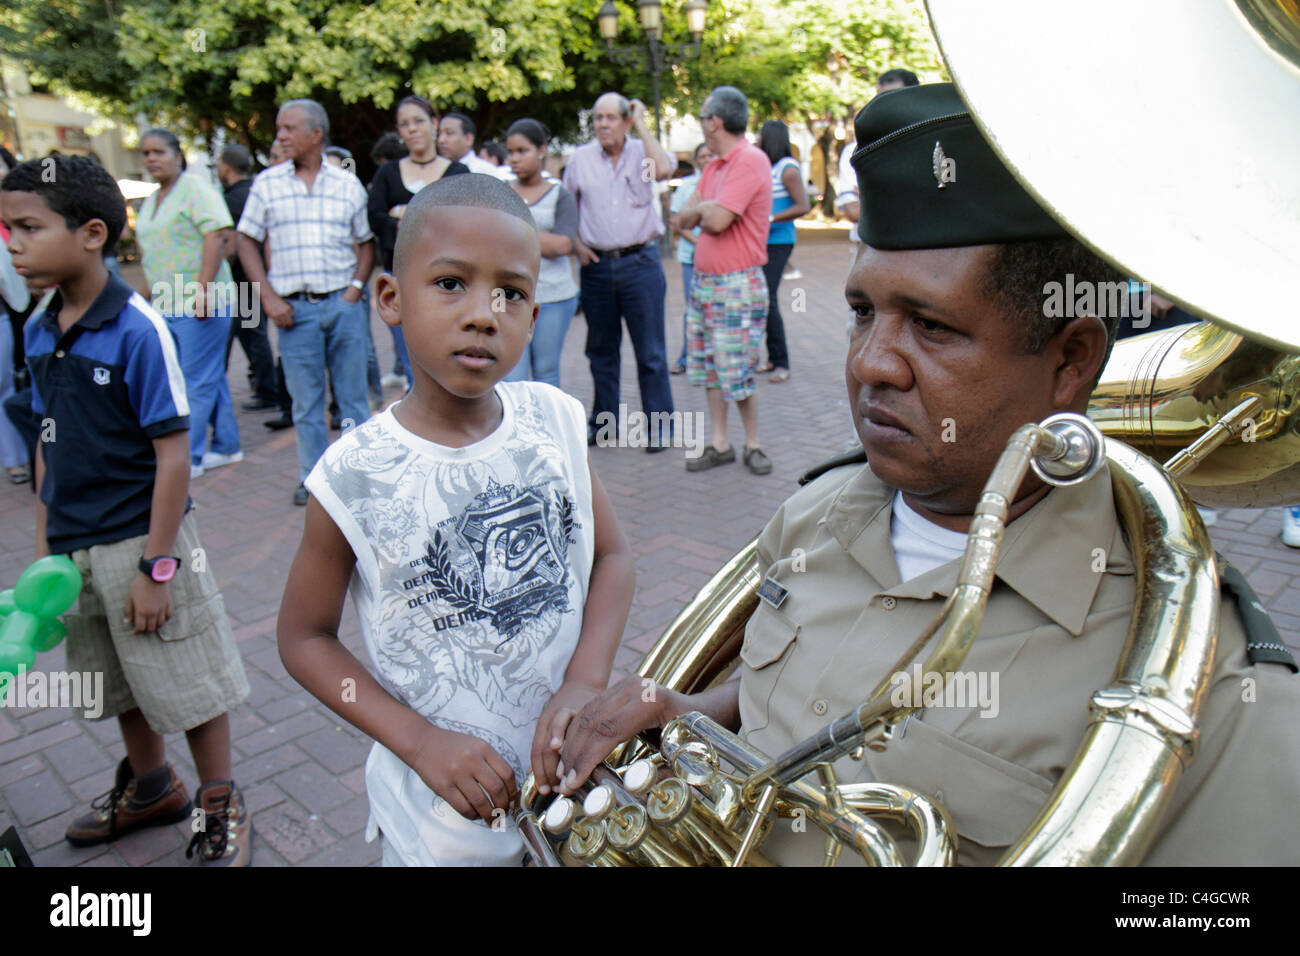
<point>621,277</point>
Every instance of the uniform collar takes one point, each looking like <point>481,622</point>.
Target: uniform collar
<point>1033,561</point>
<point>107,305</point>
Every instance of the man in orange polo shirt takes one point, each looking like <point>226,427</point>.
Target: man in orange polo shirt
<point>727,310</point>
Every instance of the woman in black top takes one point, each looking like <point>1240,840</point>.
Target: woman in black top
<point>397,181</point>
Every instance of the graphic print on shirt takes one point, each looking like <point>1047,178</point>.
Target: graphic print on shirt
<point>506,556</point>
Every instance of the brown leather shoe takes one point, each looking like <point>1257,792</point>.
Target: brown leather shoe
<point>227,835</point>
<point>116,812</point>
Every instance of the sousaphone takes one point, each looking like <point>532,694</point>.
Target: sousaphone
<point>1164,134</point>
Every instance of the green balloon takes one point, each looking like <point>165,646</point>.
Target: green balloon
<point>51,633</point>
<point>48,587</point>
<point>16,656</point>
<point>7,605</point>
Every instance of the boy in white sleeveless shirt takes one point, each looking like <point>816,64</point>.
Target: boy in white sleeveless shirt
<point>481,552</point>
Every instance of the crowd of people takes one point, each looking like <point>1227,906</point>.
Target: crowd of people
<point>518,566</point>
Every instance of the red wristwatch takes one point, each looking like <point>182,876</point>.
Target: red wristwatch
<point>161,569</point>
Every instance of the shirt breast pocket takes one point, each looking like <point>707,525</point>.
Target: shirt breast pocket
<point>769,644</point>
<point>767,636</point>
<point>640,193</point>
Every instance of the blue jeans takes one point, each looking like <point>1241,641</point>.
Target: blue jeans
<point>541,359</point>
<point>403,359</point>
<point>330,333</point>
<point>202,347</point>
<point>372,357</point>
<point>629,288</point>
<point>688,273</point>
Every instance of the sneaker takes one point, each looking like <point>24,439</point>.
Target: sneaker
<point>215,459</point>
<point>300,495</point>
<point>393,380</point>
<point>226,837</point>
<point>1291,527</point>
<point>116,812</point>
<point>196,471</point>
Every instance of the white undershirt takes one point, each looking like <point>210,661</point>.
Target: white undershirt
<point>921,545</point>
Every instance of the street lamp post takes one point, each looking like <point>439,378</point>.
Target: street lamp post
<point>654,54</point>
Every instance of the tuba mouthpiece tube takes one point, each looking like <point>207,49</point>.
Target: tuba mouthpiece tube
<point>535,842</point>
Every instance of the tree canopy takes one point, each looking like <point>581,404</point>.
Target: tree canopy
<point>202,64</point>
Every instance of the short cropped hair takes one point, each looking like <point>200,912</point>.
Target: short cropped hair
<point>76,188</point>
<point>317,118</point>
<point>388,146</point>
<point>906,77</point>
<point>466,124</point>
<point>470,189</point>
<point>238,158</point>
<point>1018,272</point>
<point>624,104</point>
<point>729,105</point>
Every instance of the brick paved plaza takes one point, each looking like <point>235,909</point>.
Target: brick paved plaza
<point>300,766</point>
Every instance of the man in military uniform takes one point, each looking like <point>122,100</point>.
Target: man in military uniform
<point>949,352</point>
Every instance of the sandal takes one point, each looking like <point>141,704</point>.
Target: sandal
<point>757,462</point>
<point>711,458</point>
<point>765,367</point>
<point>779,375</point>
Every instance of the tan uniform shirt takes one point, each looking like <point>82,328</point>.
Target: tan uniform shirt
<point>1052,635</point>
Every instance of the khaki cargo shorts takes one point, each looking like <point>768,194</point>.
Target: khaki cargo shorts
<point>180,676</point>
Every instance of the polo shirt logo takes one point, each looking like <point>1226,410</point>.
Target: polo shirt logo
<point>101,376</point>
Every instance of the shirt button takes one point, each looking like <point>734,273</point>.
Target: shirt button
<point>820,707</point>
<point>888,602</point>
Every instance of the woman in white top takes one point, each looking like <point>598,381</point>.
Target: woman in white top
<point>556,215</point>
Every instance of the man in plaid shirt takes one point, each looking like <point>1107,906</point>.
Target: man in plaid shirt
<point>311,218</point>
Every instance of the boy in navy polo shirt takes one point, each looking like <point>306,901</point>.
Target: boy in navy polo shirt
<point>112,467</point>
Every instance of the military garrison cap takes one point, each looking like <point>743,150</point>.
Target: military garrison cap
<point>928,179</point>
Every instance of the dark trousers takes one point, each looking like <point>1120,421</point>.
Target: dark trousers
<point>777,257</point>
<point>18,408</point>
<point>629,288</point>
<point>257,347</point>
